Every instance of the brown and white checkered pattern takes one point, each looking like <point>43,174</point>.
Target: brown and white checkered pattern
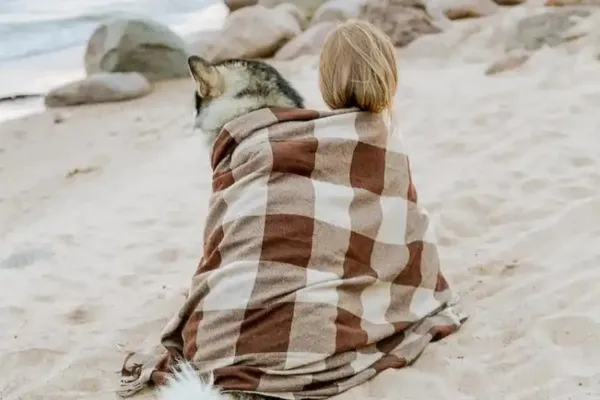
<point>319,270</point>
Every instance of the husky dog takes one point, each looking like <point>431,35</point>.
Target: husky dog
<point>225,91</point>
<point>232,88</point>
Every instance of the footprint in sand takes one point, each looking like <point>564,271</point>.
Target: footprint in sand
<point>79,315</point>
<point>144,223</point>
<point>572,331</point>
<point>168,255</point>
<point>532,185</point>
<point>30,358</point>
<point>67,239</point>
<point>88,385</point>
<point>581,161</point>
<point>13,310</point>
<point>127,280</point>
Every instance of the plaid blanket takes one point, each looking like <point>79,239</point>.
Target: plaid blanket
<point>319,269</point>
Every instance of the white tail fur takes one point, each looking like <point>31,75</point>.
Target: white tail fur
<point>187,385</point>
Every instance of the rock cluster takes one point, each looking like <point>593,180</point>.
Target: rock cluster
<point>124,57</point>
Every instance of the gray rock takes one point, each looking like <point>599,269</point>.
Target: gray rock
<point>546,29</point>
<point>338,10</point>
<point>307,7</point>
<point>402,20</point>
<point>100,88</point>
<point>202,43</point>
<point>308,42</point>
<point>253,32</point>
<point>507,63</point>
<point>136,45</point>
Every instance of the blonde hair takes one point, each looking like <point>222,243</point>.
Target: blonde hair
<point>358,68</point>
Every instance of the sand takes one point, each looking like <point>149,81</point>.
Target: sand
<point>101,220</point>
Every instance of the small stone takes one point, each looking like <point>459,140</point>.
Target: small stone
<point>79,171</point>
<point>58,118</point>
<point>508,63</point>
<point>99,88</point>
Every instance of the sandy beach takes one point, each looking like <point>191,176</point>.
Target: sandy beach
<point>102,209</point>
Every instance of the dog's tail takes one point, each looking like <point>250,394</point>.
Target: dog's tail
<point>187,385</point>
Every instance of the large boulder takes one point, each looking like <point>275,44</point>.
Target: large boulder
<point>402,20</point>
<point>237,4</point>
<point>253,32</point>
<point>136,45</point>
<point>549,28</point>
<point>308,7</point>
<point>338,10</point>
<point>309,42</point>
<point>99,88</point>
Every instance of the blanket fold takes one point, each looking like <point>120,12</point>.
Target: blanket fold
<point>319,268</point>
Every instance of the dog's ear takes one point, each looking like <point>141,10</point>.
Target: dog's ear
<point>207,77</point>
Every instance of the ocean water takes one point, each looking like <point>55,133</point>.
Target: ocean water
<point>34,27</point>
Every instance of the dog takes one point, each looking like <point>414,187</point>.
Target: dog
<point>232,88</point>
<point>224,92</point>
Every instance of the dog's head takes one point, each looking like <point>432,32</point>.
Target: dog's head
<point>232,88</point>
